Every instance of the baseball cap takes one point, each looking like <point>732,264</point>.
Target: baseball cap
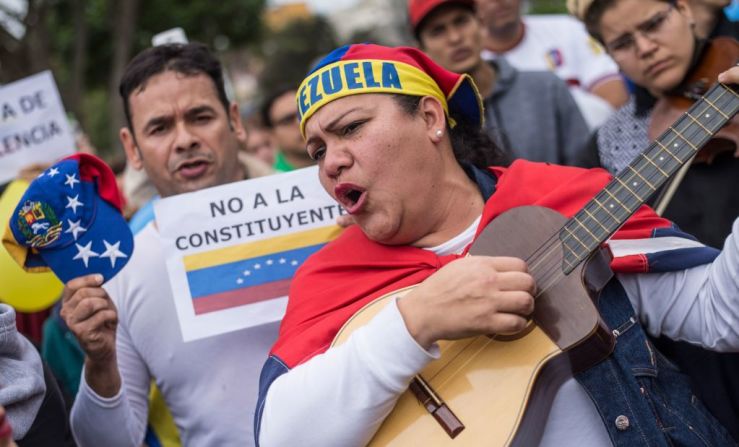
<point>419,9</point>
<point>69,221</point>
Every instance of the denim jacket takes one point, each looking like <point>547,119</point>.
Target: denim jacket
<point>642,398</point>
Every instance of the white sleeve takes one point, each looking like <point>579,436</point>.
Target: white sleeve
<point>698,305</point>
<point>119,420</point>
<point>356,383</point>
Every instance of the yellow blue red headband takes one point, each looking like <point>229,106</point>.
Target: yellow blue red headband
<point>366,68</point>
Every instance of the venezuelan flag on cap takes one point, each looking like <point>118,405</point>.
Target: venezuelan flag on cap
<point>69,220</point>
<point>367,68</point>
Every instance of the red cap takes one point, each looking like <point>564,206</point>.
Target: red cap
<point>419,9</point>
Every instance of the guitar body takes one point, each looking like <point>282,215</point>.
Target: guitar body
<point>497,390</point>
<point>500,388</point>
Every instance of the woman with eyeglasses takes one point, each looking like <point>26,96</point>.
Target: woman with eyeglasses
<point>656,45</point>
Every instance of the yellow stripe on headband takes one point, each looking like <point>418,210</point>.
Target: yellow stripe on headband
<point>353,77</point>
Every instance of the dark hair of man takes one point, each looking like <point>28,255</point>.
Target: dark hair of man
<point>270,100</point>
<point>595,13</point>
<point>188,59</point>
<point>470,143</point>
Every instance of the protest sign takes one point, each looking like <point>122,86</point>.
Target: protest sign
<point>33,124</point>
<point>174,35</point>
<point>232,250</point>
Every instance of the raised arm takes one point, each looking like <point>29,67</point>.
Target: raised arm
<point>107,410</point>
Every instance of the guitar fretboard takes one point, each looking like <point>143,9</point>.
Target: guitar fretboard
<point>633,186</point>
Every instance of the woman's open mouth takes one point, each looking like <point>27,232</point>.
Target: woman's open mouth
<point>351,197</point>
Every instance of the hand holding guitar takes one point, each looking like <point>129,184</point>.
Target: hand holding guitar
<point>471,296</point>
<point>730,76</point>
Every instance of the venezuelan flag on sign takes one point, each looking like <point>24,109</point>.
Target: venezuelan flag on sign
<point>252,272</point>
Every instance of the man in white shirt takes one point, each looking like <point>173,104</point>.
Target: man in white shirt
<point>186,135</point>
<point>451,33</point>
<point>557,43</point>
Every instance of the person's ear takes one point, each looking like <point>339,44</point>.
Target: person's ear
<point>133,154</point>
<point>235,123</point>
<point>683,7</point>
<point>434,117</point>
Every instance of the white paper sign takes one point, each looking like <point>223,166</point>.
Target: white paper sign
<point>232,250</point>
<point>33,124</point>
<point>174,35</point>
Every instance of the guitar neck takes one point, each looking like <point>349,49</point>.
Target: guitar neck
<point>634,185</point>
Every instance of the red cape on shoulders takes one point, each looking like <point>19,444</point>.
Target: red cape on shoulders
<point>334,283</point>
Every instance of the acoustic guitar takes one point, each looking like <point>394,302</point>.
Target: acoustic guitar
<point>497,390</point>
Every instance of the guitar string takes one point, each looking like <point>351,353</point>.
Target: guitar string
<point>552,273</point>
<point>555,238</point>
<point>553,270</point>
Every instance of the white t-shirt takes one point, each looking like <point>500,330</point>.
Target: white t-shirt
<point>560,44</point>
<point>209,385</point>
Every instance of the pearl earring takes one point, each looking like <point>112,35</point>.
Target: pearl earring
<point>439,133</point>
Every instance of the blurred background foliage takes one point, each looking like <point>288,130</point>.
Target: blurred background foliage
<point>87,43</point>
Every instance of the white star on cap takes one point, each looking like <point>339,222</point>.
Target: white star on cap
<point>73,203</point>
<point>112,252</point>
<point>71,180</point>
<point>75,228</point>
<point>52,172</point>
<point>85,253</point>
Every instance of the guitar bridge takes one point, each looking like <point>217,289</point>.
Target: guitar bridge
<point>436,406</point>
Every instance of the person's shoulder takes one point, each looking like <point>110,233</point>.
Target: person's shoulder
<point>543,176</point>
<point>542,90</point>
<point>541,80</point>
<point>625,114</point>
<point>147,233</point>
<point>255,167</point>
<point>564,31</point>
<point>348,253</point>
<point>523,167</point>
<point>351,240</point>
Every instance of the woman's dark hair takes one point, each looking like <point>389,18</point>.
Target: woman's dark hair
<point>470,143</point>
<point>595,12</point>
<point>188,59</point>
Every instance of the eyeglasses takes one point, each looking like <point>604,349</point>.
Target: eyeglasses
<point>649,30</point>
<point>286,120</point>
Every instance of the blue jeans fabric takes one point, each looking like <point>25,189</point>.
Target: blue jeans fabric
<point>644,399</point>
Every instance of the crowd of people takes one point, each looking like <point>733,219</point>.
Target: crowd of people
<point>426,148</point>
